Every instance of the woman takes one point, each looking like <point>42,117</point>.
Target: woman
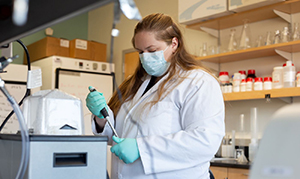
<point>171,115</point>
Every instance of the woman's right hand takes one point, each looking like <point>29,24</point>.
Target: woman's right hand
<point>95,102</point>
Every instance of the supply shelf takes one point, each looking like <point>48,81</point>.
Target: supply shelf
<point>274,93</point>
<point>256,52</point>
<point>253,15</point>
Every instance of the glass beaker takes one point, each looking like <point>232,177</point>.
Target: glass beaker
<point>245,41</point>
<point>285,35</point>
<point>232,45</point>
<point>296,33</point>
<point>268,38</point>
<point>259,41</point>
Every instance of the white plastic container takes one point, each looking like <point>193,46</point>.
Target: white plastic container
<point>249,84</point>
<point>267,83</point>
<point>258,84</point>
<point>277,77</point>
<point>289,74</point>
<point>243,74</point>
<point>298,79</point>
<point>243,85</point>
<point>236,82</point>
<point>223,77</point>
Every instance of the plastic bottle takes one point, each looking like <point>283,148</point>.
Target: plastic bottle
<point>243,74</point>
<point>258,84</point>
<point>298,78</point>
<point>277,76</point>
<point>229,89</point>
<point>249,84</point>
<point>243,85</point>
<point>236,82</point>
<point>251,74</point>
<point>289,74</point>
<point>223,77</point>
<point>267,83</point>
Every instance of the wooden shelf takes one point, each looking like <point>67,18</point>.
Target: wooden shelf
<point>253,15</point>
<point>250,53</point>
<point>274,93</point>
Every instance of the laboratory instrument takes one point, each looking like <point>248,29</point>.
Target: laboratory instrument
<point>53,112</point>
<point>55,156</point>
<point>73,76</point>
<point>106,116</point>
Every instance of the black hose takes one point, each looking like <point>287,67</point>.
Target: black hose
<point>27,90</point>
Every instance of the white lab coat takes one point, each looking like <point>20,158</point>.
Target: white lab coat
<point>178,136</point>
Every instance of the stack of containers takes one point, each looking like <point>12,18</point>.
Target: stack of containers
<point>282,77</point>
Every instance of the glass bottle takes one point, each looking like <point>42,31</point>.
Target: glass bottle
<point>268,38</point>
<point>285,35</point>
<point>277,37</point>
<point>245,41</point>
<point>296,32</point>
<point>204,49</point>
<point>232,46</point>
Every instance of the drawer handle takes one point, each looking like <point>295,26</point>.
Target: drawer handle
<point>246,174</point>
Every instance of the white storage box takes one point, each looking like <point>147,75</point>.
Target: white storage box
<point>243,5</point>
<point>193,11</point>
<point>53,112</point>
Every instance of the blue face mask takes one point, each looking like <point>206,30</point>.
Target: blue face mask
<point>154,63</point>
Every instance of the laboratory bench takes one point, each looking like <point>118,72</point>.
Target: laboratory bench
<point>230,169</point>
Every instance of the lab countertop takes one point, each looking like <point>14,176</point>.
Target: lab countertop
<point>230,162</point>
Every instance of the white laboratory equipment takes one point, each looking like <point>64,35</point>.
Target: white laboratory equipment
<point>278,152</point>
<point>74,76</point>
<point>53,112</point>
<point>55,156</point>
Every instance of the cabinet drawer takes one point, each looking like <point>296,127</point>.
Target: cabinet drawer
<point>219,172</point>
<point>235,173</point>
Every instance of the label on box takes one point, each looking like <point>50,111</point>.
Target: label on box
<point>81,44</point>
<point>64,43</point>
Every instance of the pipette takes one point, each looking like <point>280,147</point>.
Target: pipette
<point>105,115</point>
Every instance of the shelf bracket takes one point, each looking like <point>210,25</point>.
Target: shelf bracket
<point>286,55</point>
<point>288,100</point>
<point>212,32</point>
<point>283,15</point>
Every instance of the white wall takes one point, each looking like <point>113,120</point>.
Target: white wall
<point>100,22</point>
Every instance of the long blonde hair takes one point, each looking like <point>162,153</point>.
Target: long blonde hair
<point>165,29</point>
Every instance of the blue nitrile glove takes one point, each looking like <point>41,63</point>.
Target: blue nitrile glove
<point>95,102</point>
<point>126,149</point>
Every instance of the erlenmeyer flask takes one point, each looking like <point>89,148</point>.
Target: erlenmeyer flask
<point>245,41</point>
<point>296,33</point>
<point>232,45</point>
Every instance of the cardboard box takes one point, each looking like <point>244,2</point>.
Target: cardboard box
<point>194,11</point>
<point>243,5</point>
<point>98,51</point>
<point>46,47</point>
<point>80,49</point>
<point>89,50</point>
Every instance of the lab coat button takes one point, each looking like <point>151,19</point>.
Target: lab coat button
<point>119,175</point>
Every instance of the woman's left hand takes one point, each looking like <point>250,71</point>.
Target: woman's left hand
<point>126,149</point>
